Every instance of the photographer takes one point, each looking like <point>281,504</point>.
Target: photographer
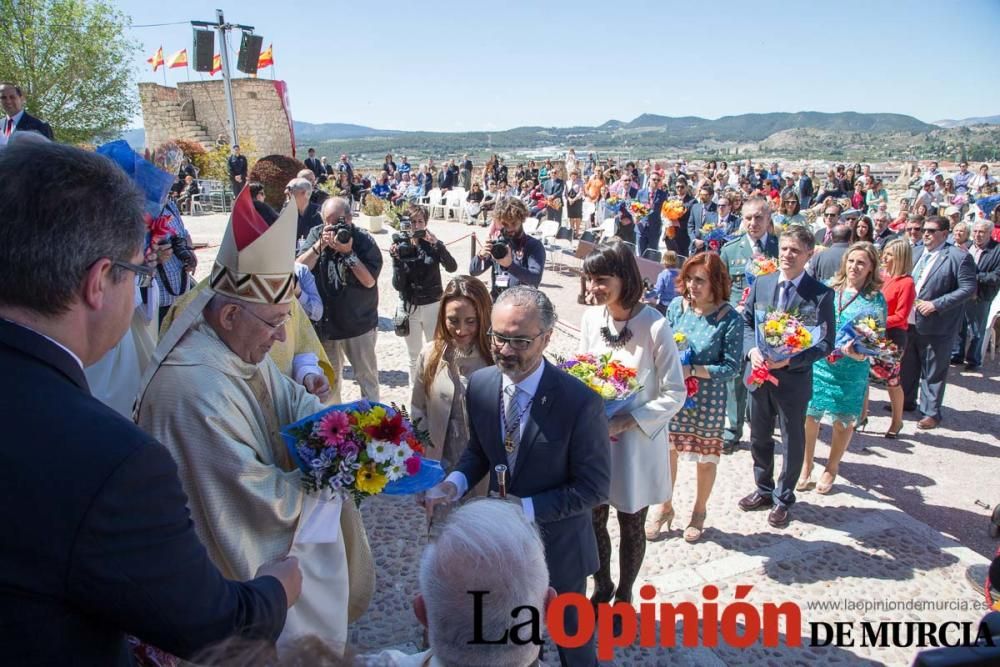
<point>513,257</point>
<point>175,260</point>
<point>417,258</point>
<point>346,262</point>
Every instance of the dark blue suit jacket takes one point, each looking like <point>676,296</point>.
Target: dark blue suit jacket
<point>952,282</point>
<point>814,302</point>
<point>97,539</point>
<point>29,123</point>
<point>563,463</point>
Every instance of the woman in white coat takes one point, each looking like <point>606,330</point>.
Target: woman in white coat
<point>637,336</point>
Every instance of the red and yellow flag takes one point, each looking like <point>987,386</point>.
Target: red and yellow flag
<point>156,60</point>
<point>266,58</point>
<point>179,59</point>
<point>216,64</point>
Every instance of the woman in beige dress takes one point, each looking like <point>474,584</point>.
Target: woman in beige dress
<point>459,348</point>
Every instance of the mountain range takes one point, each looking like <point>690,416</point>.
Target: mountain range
<point>965,122</point>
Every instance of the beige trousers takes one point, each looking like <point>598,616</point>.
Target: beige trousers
<point>360,351</point>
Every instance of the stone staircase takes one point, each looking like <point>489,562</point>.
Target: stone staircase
<point>181,121</point>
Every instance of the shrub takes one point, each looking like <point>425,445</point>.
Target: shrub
<point>274,172</point>
<point>374,206</point>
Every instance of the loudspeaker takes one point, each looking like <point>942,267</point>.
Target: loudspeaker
<point>204,50</point>
<point>249,53</point>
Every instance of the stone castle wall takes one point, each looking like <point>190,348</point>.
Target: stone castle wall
<point>197,110</point>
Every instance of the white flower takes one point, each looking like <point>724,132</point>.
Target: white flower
<point>395,471</point>
<point>402,452</point>
<point>379,451</point>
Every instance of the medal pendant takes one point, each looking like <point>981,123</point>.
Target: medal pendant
<point>508,444</point>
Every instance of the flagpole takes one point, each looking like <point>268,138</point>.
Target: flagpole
<point>164,67</point>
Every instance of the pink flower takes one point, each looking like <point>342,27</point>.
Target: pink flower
<point>412,465</point>
<point>333,427</point>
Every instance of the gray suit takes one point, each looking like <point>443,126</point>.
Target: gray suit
<point>949,284</point>
<point>563,464</point>
<point>824,265</point>
<point>787,401</point>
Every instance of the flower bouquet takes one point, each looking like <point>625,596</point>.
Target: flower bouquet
<point>758,265</point>
<point>363,449</point>
<point>714,236</point>
<point>613,202</point>
<point>617,384</point>
<point>780,335</point>
<point>672,209</point>
<point>638,209</point>
<point>869,339</point>
<point>690,383</point>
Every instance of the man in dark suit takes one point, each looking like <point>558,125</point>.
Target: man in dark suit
<point>315,166</point>
<point>735,254</point>
<point>945,279</point>
<point>824,265</point>
<point>681,241</point>
<point>16,119</point>
<point>704,211</point>
<point>550,431</point>
<point>986,254</point>
<point>98,540</point>
<point>790,289</point>
<point>831,216</point>
<point>237,165</point>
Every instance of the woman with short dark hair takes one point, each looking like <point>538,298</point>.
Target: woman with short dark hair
<point>713,333</point>
<point>638,337</point>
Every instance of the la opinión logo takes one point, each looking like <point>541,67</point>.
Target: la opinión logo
<point>737,624</point>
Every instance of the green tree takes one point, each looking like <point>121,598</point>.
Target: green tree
<point>74,63</point>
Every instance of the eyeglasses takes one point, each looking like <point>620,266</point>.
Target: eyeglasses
<point>270,325</point>
<point>930,230</point>
<point>144,272</point>
<point>516,343</point>
<point>830,215</point>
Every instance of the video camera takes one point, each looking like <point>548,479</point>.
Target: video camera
<point>407,242</point>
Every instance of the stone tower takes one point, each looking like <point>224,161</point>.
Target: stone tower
<point>197,110</point>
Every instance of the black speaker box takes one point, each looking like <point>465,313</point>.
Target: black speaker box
<point>249,53</point>
<point>204,50</point>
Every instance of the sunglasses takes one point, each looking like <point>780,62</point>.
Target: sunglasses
<point>830,215</point>
<point>930,230</point>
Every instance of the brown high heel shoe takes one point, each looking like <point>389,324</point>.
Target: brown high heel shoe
<point>653,531</point>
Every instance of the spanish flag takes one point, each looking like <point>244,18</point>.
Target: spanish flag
<point>216,64</point>
<point>156,60</point>
<point>179,59</point>
<point>266,58</point>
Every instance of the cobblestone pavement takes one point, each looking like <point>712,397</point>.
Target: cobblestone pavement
<point>902,524</point>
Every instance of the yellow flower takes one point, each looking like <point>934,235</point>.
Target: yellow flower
<point>370,480</point>
<point>608,392</point>
<point>679,338</point>
<point>372,417</point>
<point>773,327</point>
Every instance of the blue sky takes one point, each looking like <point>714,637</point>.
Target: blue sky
<point>455,66</point>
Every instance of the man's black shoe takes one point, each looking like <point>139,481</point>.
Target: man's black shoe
<point>778,517</point>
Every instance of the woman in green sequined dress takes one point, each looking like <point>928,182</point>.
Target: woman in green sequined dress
<point>839,386</point>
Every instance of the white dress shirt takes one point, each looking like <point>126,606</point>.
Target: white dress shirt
<point>528,386</point>
<point>3,126</point>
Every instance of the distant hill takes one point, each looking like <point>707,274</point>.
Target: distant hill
<point>305,132</point>
<point>651,132</point>
<point>965,122</point>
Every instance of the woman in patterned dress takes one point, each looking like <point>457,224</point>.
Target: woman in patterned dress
<point>839,387</point>
<point>713,333</point>
<point>637,336</point>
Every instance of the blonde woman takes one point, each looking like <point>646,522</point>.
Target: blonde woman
<point>459,348</point>
<point>839,387</point>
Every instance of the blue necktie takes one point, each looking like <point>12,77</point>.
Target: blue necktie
<point>785,297</point>
<point>919,268</point>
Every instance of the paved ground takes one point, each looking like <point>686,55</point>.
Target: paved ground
<point>903,524</point>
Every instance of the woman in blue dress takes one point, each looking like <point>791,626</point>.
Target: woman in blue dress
<point>713,332</point>
<point>839,386</point>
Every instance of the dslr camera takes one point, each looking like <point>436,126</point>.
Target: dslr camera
<point>181,250</point>
<point>501,246</point>
<point>407,242</point>
<point>341,230</point>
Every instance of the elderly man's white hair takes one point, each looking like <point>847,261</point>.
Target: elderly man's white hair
<point>487,545</point>
<point>308,175</point>
<point>299,185</point>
